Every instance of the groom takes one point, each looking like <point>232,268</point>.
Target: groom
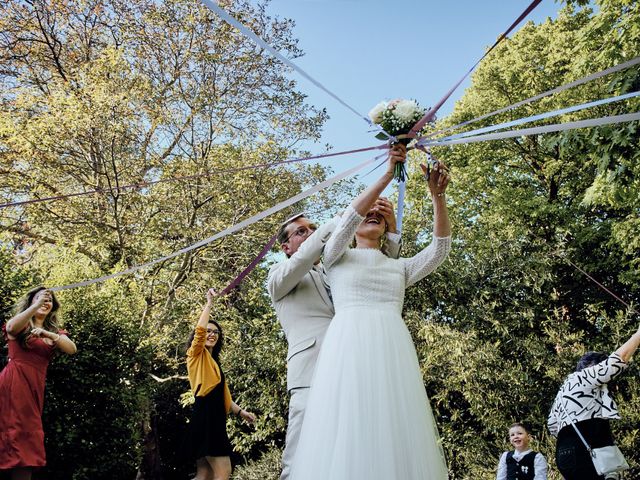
<point>301,297</point>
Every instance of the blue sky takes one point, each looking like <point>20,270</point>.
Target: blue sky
<point>366,51</point>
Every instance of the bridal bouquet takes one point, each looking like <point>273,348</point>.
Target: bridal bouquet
<point>396,118</point>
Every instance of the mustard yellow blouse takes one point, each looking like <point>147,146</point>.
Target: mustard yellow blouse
<point>203,370</point>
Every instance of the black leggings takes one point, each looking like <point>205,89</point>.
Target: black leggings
<point>572,458</point>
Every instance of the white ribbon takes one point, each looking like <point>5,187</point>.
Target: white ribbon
<point>228,231</point>
<point>541,116</point>
<point>249,34</point>
<point>580,81</point>
<point>402,186</point>
<point>558,127</point>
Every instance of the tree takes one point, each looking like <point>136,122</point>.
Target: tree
<point>508,316</point>
<point>14,279</point>
<point>98,95</point>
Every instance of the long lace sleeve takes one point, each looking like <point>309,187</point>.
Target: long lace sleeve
<point>342,236</point>
<point>427,260</point>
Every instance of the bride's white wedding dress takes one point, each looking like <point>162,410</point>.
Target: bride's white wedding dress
<point>368,416</point>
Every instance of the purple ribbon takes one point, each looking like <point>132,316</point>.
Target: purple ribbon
<point>432,112</point>
<point>236,281</point>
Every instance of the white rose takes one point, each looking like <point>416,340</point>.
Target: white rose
<point>376,112</point>
<point>406,110</point>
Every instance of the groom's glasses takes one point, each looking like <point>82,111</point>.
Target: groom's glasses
<point>302,232</point>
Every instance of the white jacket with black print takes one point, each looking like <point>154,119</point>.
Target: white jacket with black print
<point>585,395</point>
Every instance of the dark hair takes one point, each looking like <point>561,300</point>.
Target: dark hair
<point>282,231</point>
<point>217,348</point>
<point>523,426</point>
<point>589,359</point>
<point>50,321</point>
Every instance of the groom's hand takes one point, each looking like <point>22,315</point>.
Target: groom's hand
<point>385,208</point>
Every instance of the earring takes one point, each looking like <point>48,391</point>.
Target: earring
<point>382,241</point>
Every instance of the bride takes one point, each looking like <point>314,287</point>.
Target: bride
<point>368,416</point>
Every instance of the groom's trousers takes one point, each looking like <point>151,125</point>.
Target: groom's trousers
<point>297,404</point>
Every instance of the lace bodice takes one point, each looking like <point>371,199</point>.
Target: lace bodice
<point>367,277</point>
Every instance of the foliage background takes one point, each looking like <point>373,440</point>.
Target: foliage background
<point>97,94</point>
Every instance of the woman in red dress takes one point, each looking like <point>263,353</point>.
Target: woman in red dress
<point>33,336</point>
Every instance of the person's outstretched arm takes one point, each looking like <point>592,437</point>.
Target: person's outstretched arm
<point>363,202</point>
<point>20,321</point>
<point>358,209</point>
<point>629,347</point>
<point>200,337</point>
<point>438,181</point>
<point>284,276</point>
<point>427,260</point>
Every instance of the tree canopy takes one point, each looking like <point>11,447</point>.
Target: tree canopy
<point>100,94</point>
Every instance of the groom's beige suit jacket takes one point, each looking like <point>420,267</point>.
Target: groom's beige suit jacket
<point>303,304</point>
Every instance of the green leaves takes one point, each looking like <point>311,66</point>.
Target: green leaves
<point>502,322</point>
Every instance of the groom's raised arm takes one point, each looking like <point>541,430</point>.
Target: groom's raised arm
<point>284,276</point>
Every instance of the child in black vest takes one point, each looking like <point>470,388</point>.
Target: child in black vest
<point>522,463</point>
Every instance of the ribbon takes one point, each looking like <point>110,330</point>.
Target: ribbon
<point>580,81</point>
<point>432,112</point>
<point>236,281</point>
<point>138,185</point>
<point>541,116</point>
<point>232,229</point>
<point>631,309</point>
<point>430,115</point>
<point>259,41</point>
<point>558,127</point>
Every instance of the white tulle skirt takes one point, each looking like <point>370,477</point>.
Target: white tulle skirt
<point>368,416</point>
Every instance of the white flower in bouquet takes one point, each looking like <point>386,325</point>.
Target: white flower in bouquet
<point>407,111</point>
<point>397,116</point>
<point>376,112</point>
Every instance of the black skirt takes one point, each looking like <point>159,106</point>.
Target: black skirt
<point>208,427</point>
<point>572,457</point>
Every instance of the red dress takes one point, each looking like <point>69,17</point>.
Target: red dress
<point>21,399</point>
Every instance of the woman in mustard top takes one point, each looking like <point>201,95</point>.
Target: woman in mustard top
<point>210,445</point>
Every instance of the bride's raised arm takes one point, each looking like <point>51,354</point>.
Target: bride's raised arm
<point>427,260</point>
<point>355,213</point>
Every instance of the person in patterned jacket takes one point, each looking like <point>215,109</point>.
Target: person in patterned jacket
<point>584,399</point>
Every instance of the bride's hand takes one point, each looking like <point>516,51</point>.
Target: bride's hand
<point>439,177</point>
<point>397,154</point>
